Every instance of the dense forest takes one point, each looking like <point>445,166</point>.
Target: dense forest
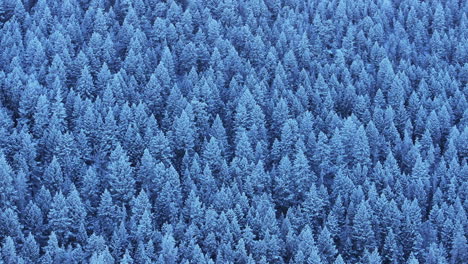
<point>234,131</point>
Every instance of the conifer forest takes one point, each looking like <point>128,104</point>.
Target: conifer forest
<point>233,131</point>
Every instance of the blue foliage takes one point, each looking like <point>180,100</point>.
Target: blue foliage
<point>259,131</point>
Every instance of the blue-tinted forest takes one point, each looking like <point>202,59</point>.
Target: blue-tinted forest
<point>233,131</point>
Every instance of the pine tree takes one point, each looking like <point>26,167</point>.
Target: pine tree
<point>85,85</point>
<point>59,217</point>
<point>385,75</point>
<point>169,251</point>
<point>76,211</point>
<point>35,215</point>
<point>30,250</point>
<point>212,155</point>
<point>141,255</point>
<point>127,259</point>
<point>160,149</point>
<point>412,259</point>
<point>183,133</point>
<point>121,176</point>
<point>372,258</point>
<point>391,250</point>
<point>139,205</point>
<point>312,207</point>
<point>170,198</point>
<point>321,156</point>
<point>339,260</point>
<point>146,171</point>
<point>107,137</point>
<point>119,240</point>
<point>459,246</point>
<point>243,146</point>
<point>41,116</point>
<point>107,212</point>
<point>326,245</point>
<point>342,184</point>
<point>9,251</point>
<point>283,186</point>
<point>363,235</point>
<point>361,148</point>
<point>302,174</point>
<point>145,227</point>
<point>44,199</point>
<point>91,186</point>
<point>6,182</point>
<point>53,176</point>
<point>411,220</point>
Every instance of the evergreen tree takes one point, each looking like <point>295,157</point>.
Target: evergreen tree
<point>339,260</point>
<point>30,250</point>
<point>170,198</point>
<point>121,178</point>
<point>169,251</point>
<point>322,154</point>
<point>91,186</point>
<point>326,245</point>
<point>146,172</point>
<point>361,148</point>
<point>9,251</point>
<point>459,245</point>
<point>59,217</point>
<point>372,258</point>
<point>183,133</point>
<point>76,211</point>
<point>6,182</point>
<point>363,234</point>
<point>85,85</point>
<point>302,174</point>
<point>53,176</point>
<point>412,259</point>
<point>145,227</point>
<point>312,207</point>
<point>127,259</point>
<point>391,249</point>
<point>283,186</point>
<point>107,212</point>
<point>34,213</point>
<point>385,75</point>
